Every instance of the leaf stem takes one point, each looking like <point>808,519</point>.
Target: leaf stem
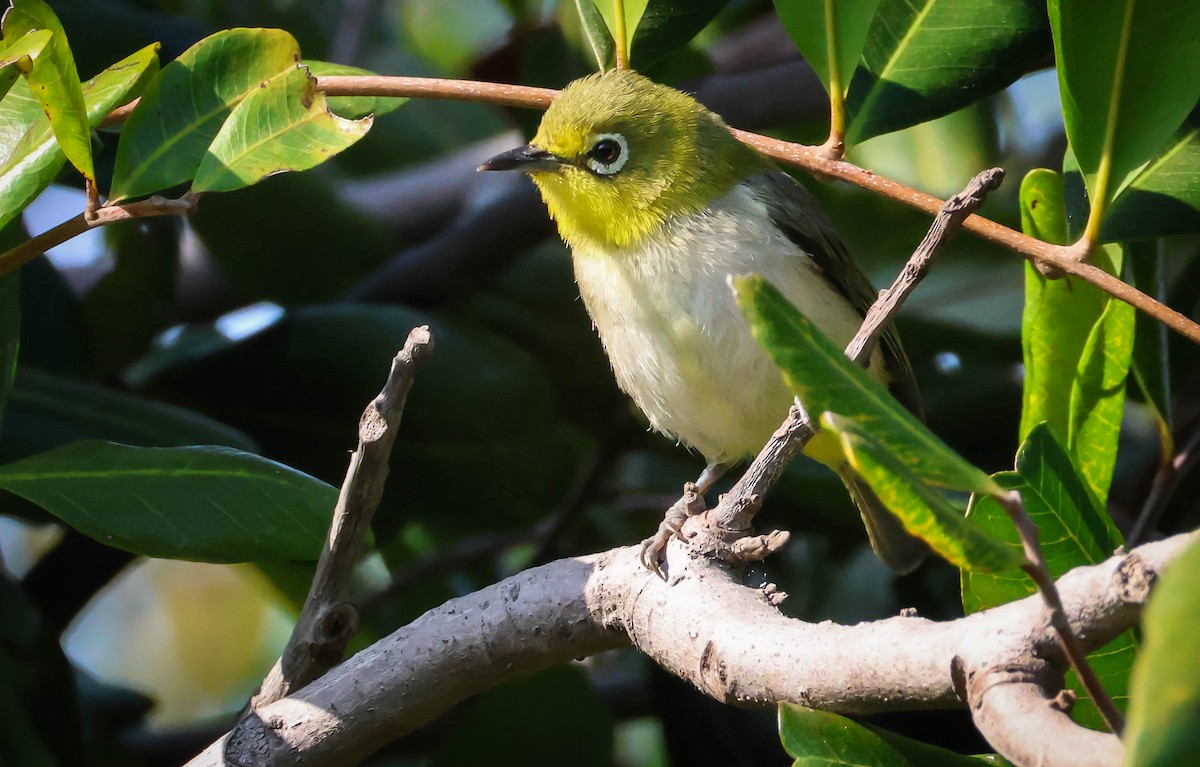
<point>620,35</point>
<point>835,145</point>
<point>1035,568</point>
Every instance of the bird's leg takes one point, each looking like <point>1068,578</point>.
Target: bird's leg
<point>653,548</point>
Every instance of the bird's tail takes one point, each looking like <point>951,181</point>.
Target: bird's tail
<point>898,550</point>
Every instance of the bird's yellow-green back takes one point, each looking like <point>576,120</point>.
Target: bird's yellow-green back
<point>634,153</point>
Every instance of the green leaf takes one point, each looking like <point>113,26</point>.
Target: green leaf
<point>54,81</point>
<point>353,107</point>
<point>1098,395</point>
<point>823,739</point>
<point>18,57</point>
<point>927,58</point>
<point>924,511</point>
<point>1164,197</point>
<point>1126,76</point>
<point>810,22</point>
<point>825,380</point>
<point>281,126</point>
<point>30,158</point>
<point>168,133</point>
<point>209,504</point>
<point>48,411</point>
<point>655,27</point>
<point>1165,697</point>
<point>1073,531</point>
<point>596,32</point>
<point>1150,364</point>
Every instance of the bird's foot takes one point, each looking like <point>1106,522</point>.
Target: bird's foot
<point>653,554</point>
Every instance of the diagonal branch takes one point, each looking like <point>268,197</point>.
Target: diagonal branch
<point>327,621</point>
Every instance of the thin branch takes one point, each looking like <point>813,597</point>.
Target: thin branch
<point>725,638</point>
<point>1166,478</point>
<point>1072,648</point>
<point>109,214</point>
<point>736,510</point>
<point>1069,259</point>
<point>327,621</point>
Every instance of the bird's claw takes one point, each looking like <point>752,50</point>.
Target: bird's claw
<point>653,553</point>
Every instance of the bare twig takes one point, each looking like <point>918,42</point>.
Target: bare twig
<point>326,621</point>
<point>1072,648</point>
<point>1166,478</point>
<point>736,510</point>
<point>109,214</point>
<point>723,637</point>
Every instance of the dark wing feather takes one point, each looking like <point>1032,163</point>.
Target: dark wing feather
<point>798,214</point>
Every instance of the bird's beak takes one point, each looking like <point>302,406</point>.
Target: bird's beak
<point>524,158</point>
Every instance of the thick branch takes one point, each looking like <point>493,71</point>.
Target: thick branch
<point>725,638</point>
<point>327,621</point>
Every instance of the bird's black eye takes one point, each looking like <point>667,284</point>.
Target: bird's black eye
<point>608,154</point>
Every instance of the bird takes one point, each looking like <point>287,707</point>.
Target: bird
<point>660,206</point>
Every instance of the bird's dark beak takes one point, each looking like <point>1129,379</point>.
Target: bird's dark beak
<point>524,158</point>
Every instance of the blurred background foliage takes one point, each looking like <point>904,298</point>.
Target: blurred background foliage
<point>267,321</point>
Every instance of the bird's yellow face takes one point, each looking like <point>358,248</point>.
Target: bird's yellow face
<point>617,155</point>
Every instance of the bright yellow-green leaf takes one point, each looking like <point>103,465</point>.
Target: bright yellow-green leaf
<point>1165,697</point>
<point>30,157</point>
<point>167,135</point>
<point>54,81</point>
<point>18,57</point>
<point>281,126</point>
<point>828,31</point>
<point>924,511</point>
<point>824,379</point>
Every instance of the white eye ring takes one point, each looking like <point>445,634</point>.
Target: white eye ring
<point>614,165</point>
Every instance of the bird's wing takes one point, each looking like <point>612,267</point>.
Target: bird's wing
<point>795,211</point>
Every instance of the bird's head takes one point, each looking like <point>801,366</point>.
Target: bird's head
<point>616,156</point>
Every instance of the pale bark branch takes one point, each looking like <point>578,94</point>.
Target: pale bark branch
<point>327,622</point>
<point>725,638</point>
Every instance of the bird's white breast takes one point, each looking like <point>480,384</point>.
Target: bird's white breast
<point>678,343</point>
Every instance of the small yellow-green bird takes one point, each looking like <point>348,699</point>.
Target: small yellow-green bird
<point>660,205</point>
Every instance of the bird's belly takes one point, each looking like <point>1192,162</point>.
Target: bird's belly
<point>681,348</point>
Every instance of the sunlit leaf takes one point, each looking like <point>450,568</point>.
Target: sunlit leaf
<point>279,127</point>
<point>927,58</point>
<point>18,57</point>
<point>211,504</point>
<point>54,81</point>
<point>1164,196</point>
<point>1165,695</point>
<point>825,380</point>
<point>30,158</point>
<point>925,511</point>
<point>1073,531</point>
<point>352,107</point>
<point>1126,76</point>
<point>167,135</point>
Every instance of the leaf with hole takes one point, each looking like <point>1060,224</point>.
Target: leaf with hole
<point>352,107</point>
<point>54,81</point>
<point>18,57</point>
<point>825,380</point>
<point>281,126</point>
<point>208,504</point>
<point>168,134</point>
